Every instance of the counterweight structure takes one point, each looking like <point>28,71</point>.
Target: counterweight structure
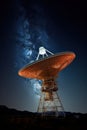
<point>47,70</point>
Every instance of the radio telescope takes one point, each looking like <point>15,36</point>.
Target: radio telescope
<point>47,70</point>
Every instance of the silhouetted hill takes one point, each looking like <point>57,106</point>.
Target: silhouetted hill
<point>22,120</point>
<point>10,111</point>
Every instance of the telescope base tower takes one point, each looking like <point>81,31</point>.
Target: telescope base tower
<point>50,103</point>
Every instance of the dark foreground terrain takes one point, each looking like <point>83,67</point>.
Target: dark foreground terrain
<point>12,119</point>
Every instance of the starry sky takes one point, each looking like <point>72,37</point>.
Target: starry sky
<point>25,25</point>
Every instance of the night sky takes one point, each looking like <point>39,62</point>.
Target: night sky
<point>25,25</point>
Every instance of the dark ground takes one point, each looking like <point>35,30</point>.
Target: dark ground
<point>12,119</point>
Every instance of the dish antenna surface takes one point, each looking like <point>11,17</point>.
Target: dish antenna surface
<point>47,70</point>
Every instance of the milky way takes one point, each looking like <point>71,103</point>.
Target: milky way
<point>28,39</point>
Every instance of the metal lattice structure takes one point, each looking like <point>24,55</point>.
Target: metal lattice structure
<point>49,100</point>
<point>54,106</point>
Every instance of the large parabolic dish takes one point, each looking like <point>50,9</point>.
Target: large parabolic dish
<point>47,67</point>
